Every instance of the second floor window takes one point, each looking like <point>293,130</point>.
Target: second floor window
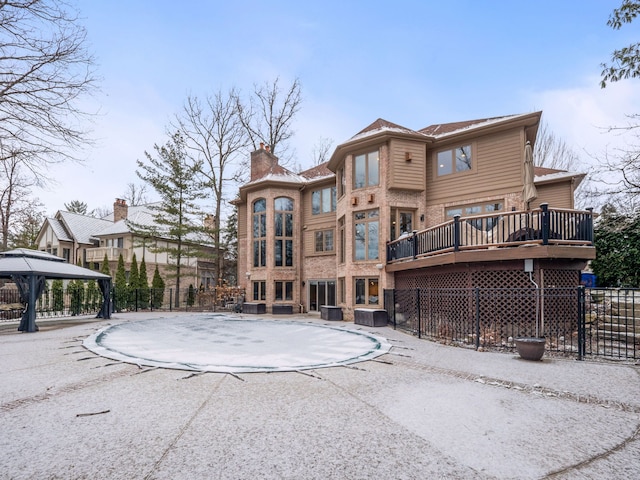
<point>366,235</point>
<point>260,233</point>
<point>366,170</point>
<point>283,230</point>
<point>323,201</point>
<point>454,160</point>
<point>324,241</point>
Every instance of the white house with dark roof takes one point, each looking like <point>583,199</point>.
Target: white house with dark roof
<point>85,240</point>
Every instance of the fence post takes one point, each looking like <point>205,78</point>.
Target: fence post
<point>477,300</point>
<point>394,308</point>
<point>545,223</point>
<point>414,243</point>
<point>418,312</point>
<point>456,233</point>
<point>582,323</point>
<point>590,225</point>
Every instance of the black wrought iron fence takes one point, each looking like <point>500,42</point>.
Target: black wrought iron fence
<point>216,299</point>
<point>612,322</point>
<point>84,298</point>
<point>574,321</point>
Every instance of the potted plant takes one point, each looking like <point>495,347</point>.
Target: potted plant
<point>532,348</point>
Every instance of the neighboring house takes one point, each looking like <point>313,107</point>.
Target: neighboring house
<point>452,194</point>
<point>85,240</point>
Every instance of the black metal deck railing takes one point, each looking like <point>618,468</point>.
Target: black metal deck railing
<point>542,226</point>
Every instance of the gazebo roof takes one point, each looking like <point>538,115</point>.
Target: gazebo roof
<point>23,261</point>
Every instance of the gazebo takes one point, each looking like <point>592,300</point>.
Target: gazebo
<point>29,270</point>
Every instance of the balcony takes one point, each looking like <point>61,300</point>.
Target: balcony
<point>113,253</point>
<point>557,233</point>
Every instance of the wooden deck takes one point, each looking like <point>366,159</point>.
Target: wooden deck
<point>539,234</point>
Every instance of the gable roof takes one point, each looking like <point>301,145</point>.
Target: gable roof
<point>381,125</point>
<point>58,229</point>
<point>81,227</point>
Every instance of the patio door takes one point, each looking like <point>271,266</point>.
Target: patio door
<point>321,292</point>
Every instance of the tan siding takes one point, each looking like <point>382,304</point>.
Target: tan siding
<point>404,174</point>
<point>314,221</point>
<point>497,170</point>
<point>242,220</point>
<point>309,241</point>
<point>557,195</point>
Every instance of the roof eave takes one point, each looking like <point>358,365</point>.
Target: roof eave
<point>528,121</point>
<point>370,140</point>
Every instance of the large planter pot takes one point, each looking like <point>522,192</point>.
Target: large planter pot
<point>531,348</point>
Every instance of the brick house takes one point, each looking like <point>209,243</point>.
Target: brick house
<point>452,193</point>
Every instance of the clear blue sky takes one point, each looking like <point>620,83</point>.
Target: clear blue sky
<point>414,63</point>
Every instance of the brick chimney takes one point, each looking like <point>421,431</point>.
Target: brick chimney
<point>262,162</point>
<point>120,210</point>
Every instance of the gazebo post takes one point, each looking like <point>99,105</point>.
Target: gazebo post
<point>31,305</point>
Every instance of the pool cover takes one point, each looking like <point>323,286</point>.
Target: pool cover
<point>218,343</point>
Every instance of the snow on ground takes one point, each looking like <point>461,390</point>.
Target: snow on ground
<point>422,410</point>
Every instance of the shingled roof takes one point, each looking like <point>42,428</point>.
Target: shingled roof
<point>317,172</point>
<point>442,129</point>
<point>381,125</point>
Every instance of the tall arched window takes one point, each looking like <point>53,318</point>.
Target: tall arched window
<point>260,233</point>
<point>283,232</point>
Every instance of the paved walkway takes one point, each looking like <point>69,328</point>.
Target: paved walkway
<point>422,411</point>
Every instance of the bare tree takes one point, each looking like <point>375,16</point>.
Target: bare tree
<point>268,116</point>
<point>44,70</point>
<point>618,172</point>
<point>552,152</point>
<point>322,150</point>
<point>27,226</point>
<point>216,138</point>
<point>15,188</point>
<point>135,194</point>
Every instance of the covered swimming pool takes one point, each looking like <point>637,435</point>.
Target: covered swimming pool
<point>221,343</point>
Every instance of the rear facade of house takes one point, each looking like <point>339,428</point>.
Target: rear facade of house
<point>453,193</point>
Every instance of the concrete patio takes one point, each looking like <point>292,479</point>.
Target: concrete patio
<point>423,410</point>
